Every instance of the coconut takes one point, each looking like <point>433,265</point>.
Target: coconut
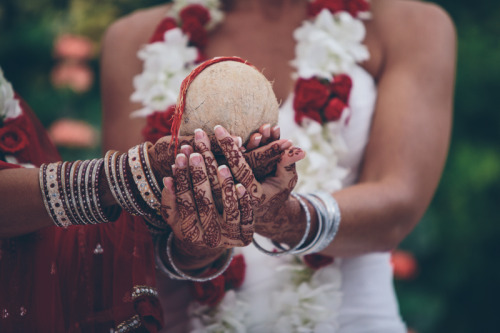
<point>232,94</point>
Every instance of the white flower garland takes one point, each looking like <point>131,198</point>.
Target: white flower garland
<point>168,62</point>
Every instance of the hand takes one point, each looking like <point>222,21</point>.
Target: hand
<point>162,153</point>
<point>201,232</point>
<point>270,199</point>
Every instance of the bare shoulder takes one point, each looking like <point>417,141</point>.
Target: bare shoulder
<point>135,29</point>
<point>407,25</point>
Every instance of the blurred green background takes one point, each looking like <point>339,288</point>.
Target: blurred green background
<point>448,276</point>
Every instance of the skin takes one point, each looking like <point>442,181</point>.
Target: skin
<point>412,46</point>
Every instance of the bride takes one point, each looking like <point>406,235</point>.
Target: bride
<point>368,96</point>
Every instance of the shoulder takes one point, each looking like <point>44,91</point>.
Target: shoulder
<point>135,29</point>
<point>406,26</point>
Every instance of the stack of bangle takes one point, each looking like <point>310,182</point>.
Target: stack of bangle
<point>70,193</point>
<point>328,212</point>
<point>175,273</point>
<point>70,189</point>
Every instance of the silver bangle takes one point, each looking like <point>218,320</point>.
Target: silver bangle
<point>175,273</point>
<point>328,212</point>
<point>295,248</point>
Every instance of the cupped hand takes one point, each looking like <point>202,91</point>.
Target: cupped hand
<point>188,207</point>
<point>271,197</point>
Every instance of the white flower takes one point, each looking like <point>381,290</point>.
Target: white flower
<point>329,45</point>
<point>166,64</point>
<point>9,105</point>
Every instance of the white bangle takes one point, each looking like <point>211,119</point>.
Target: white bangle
<point>175,273</point>
<point>295,248</point>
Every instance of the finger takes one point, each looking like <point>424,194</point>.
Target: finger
<point>265,130</point>
<point>263,160</point>
<point>254,141</point>
<point>168,205</point>
<point>203,146</point>
<point>204,203</point>
<point>275,133</point>
<point>247,227</point>
<point>186,150</point>
<point>230,228</point>
<point>191,229</point>
<point>215,144</point>
<point>239,167</point>
<point>285,170</point>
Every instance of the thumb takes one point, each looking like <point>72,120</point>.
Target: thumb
<point>285,170</point>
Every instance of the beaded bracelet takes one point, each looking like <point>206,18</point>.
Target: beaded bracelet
<point>177,274</point>
<point>293,249</point>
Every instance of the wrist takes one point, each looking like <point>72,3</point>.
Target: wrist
<point>190,257</point>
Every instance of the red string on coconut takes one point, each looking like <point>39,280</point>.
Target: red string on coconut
<point>181,104</point>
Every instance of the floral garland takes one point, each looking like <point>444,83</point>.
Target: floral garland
<point>329,45</point>
<point>13,139</point>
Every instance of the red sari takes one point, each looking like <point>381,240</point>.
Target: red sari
<point>78,279</point>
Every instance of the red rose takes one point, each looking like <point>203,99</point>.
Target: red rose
<point>314,8</point>
<point>334,109</point>
<point>12,139</point>
<point>341,87</point>
<point>198,35</point>
<point>210,292</point>
<point>310,94</point>
<point>313,114</point>
<point>197,12</point>
<point>235,273</point>
<point>317,261</point>
<point>158,124</point>
<point>166,24</point>
<point>354,7</point>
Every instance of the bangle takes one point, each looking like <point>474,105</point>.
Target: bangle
<point>140,178</point>
<point>328,213</point>
<point>68,192</point>
<point>177,274</point>
<point>294,249</point>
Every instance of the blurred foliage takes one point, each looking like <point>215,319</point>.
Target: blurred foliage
<point>456,247</point>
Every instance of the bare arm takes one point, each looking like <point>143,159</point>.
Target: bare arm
<point>408,141</point>
<point>410,132</point>
<point>22,209</point>
<point>119,65</point>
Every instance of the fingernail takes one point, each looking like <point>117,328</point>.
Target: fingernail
<point>287,144</point>
<point>169,184</point>
<point>241,189</point>
<point>240,141</point>
<point>180,160</point>
<point>257,138</point>
<point>195,159</point>
<point>219,131</point>
<point>224,171</point>
<point>275,129</point>
<point>198,133</point>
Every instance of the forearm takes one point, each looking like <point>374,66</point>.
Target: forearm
<point>23,209</point>
<point>375,217</point>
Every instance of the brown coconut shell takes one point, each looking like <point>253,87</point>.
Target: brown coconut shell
<point>232,94</point>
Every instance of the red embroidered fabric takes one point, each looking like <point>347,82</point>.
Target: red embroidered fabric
<point>78,279</point>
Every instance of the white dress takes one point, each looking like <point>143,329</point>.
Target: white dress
<point>353,295</point>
